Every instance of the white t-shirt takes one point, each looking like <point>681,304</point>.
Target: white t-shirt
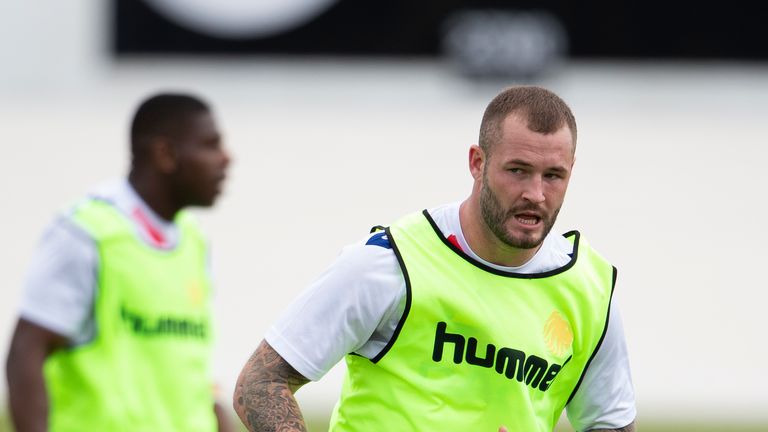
<point>355,305</point>
<point>61,279</point>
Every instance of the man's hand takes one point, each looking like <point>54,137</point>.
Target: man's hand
<point>264,398</point>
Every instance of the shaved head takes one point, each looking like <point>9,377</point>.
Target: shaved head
<point>544,112</point>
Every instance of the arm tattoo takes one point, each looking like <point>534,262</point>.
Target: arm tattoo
<point>264,398</point>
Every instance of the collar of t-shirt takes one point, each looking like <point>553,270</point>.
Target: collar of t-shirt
<point>154,230</point>
<point>554,252</point>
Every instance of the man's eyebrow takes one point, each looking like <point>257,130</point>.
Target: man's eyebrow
<point>521,162</point>
<point>557,169</point>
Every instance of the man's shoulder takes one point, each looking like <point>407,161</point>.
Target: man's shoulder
<point>442,216</point>
<point>378,237</point>
<point>92,215</point>
<point>372,254</point>
<point>372,246</point>
<point>65,225</point>
<point>582,242</point>
<point>107,192</point>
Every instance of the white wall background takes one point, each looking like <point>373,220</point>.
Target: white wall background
<point>669,184</point>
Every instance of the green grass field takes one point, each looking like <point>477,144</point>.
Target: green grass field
<point>316,425</point>
<point>321,425</point>
<point>5,425</point>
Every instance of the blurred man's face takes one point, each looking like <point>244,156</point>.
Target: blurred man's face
<point>201,161</point>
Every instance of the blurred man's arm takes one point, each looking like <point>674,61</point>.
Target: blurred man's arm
<point>30,346</point>
<point>224,420</point>
<point>264,395</point>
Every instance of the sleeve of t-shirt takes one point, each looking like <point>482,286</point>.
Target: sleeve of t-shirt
<point>606,399</point>
<point>60,281</point>
<point>340,311</point>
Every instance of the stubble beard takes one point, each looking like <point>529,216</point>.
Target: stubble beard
<point>495,218</point>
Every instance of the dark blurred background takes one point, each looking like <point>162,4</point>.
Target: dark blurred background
<point>650,29</point>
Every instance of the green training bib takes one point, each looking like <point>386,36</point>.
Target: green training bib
<point>478,348</point>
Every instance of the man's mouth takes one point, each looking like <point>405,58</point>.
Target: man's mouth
<point>527,219</point>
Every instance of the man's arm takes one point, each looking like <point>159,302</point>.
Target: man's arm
<point>264,398</point>
<point>605,399</point>
<point>30,346</point>
<point>224,421</point>
<point>628,428</point>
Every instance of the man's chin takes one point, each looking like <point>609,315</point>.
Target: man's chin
<point>525,241</point>
<point>204,202</point>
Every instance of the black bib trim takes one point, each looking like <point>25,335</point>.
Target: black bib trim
<point>407,309</point>
<point>600,342</point>
<point>498,272</point>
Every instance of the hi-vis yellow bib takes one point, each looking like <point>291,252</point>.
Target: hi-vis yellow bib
<point>478,348</point>
<point>147,368</point>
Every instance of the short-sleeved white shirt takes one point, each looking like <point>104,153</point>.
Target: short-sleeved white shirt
<point>355,305</point>
<point>61,279</point>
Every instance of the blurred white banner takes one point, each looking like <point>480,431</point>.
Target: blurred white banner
<point>241,18</point>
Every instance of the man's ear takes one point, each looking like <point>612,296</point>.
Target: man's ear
<point>476,162</point>
<point>163,155</point>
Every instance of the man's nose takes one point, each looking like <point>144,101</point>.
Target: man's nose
<point>226,157</point>
<point>534,190</point>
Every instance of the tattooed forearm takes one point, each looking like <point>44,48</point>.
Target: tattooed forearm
<point>628,428</point>
<point>264,398</point>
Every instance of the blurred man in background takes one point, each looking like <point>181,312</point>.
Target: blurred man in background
<point>115,327</point>
<point>471,316</point>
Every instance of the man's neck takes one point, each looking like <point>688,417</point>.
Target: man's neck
<point>156,197</point>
